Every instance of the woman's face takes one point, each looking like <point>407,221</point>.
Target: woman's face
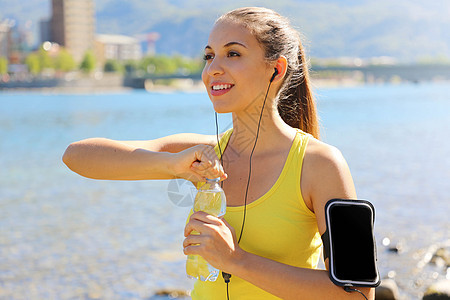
<point>236,73</point>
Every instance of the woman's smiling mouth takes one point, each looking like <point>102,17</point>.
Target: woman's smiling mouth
<point>220,89</point>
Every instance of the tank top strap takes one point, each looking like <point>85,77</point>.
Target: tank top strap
<point>303,142</point>
<point>294,161</point>
<point>223,142</point>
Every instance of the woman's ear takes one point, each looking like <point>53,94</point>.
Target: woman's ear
<point>275,73</point>
<point>280,67</point>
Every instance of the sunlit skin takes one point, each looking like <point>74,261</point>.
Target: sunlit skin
<point>233,59</point>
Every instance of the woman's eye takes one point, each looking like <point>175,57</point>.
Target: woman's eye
<point>233,54</point>
<point>208,57</point>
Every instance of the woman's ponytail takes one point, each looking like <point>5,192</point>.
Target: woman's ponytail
<point>296,104</point>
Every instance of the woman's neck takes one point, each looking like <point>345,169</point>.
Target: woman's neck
<point>272,130</point>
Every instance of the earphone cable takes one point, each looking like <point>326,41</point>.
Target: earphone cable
<point>349,289</point>
<point>218,143</point>
<point>227,276</point>
<point>250,162</point>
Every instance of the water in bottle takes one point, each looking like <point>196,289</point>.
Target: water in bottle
<point>210,199</point>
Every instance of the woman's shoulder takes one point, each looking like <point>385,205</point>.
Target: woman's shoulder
<point>321,154</point>
<point>327,173</point>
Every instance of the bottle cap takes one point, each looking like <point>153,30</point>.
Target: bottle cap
<point>213,179</point>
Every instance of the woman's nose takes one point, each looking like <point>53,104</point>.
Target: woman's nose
<point>215,67</point>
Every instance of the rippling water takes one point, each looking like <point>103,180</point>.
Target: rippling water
<point>63,236</point>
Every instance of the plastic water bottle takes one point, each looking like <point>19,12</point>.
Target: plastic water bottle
<point>210,199</point>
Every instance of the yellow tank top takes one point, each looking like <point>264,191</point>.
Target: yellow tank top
<point>278,226</point>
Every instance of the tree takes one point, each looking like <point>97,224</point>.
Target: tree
<point>45,61</point>
<point>112,66</point>
<point>169,65</point>
<point>160,65</point>
<point>188,65</point>
<point>38,61</point>
<point>33,64</point>
<point>88,63</point>
<point>64,61</point>
<point>3,65</point>
<point>131,66</point>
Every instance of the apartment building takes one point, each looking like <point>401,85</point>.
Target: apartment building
<point>73,26</point>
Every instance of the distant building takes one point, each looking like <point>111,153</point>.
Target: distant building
<point>15,40</point>
<point>117,47</point>
<point>5,38</point>
<point>73,25</point>
<point>45,31</point>
<point>149,40</point>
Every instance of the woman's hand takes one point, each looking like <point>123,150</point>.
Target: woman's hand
<point>216,242</point>
<point>197,163</point>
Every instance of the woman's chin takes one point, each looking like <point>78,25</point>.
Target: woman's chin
<point>221,109</point>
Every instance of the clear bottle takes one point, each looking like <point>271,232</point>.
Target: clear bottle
<point>210,199</point>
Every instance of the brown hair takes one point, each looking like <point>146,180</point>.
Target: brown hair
<point>296,104</point>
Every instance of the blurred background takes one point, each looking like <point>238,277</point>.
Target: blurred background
<point>365,40</point>
<point>126,70</point>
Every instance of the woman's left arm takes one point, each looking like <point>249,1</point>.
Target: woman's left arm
<point>327,176</point>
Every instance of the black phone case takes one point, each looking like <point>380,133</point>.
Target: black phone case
<point>326,239</point>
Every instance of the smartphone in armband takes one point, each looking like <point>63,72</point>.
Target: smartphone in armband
<point>349,243</point>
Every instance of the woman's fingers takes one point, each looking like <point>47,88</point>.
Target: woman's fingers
<point>192,239</point>
<point>207,163</point>
<point>209,172</point>
<point>212,238</point>
<point>193,243</point>
<point>198,163</point>
<point>200,232</point>
<point>197,232</point>
<point>201,222</point>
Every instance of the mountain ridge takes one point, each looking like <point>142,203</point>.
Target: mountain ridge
<point>406,30</point>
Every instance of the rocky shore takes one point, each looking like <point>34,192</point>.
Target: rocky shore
<point>429,278</point>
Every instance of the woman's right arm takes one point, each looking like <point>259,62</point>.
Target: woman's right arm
<point>189,156</point>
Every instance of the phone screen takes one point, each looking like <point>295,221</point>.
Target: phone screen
<point>352,243</point>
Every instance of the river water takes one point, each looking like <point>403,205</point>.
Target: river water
<point>67,237</point>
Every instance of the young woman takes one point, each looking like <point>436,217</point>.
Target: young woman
<point>256,69</point>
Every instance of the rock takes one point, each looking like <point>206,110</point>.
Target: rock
<point>397,248</point>
<point>441,257</point>
<point>170,294</point>
<point>438,291</point>
<point>387,290</point>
